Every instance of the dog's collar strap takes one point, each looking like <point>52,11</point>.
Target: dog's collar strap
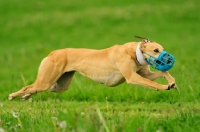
<point>139,55</point>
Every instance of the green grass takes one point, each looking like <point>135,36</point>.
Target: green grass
<point>29,30</point>
<point>83,116</point>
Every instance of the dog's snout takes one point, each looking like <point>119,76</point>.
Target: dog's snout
<point>158,62</point>
<point>169,61</point>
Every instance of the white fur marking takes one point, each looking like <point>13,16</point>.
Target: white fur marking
<point>140,56</point>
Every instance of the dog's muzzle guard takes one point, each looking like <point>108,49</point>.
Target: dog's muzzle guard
<point>163,62</point>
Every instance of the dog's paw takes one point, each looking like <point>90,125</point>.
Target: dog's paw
<point>171,85</point>
<point>10,97</point>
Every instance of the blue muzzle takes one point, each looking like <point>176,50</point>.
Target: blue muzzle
<point>164,62</point>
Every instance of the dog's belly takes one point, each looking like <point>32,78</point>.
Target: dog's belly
<point>106,78</point>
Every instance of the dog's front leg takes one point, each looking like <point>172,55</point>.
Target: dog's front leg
<point>170,79</point>
<point>146,73</point>
<point>137,79</point>
<point>129,73</point>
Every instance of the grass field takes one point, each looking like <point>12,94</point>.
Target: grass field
<point>30,30</point>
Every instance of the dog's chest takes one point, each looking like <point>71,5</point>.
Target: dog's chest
<point>106,78</point>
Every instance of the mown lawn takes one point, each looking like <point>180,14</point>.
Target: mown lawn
<point>30,30</point>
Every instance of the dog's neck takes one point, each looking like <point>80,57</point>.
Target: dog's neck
<point>139,56</point>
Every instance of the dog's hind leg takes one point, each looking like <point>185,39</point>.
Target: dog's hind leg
<point>63,82</point>
<point>48,74</point>
<point>19,93</point>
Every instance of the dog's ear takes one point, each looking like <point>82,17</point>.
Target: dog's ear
<point>143,42</point>
<point>140,37</point>
<point>144,39</point>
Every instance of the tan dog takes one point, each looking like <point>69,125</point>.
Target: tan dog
<point>111,67</point>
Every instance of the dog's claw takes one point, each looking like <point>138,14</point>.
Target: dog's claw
<point>26,96</point>
<point>173,85</point>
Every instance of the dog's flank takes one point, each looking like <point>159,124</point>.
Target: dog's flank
<point>111,67</point>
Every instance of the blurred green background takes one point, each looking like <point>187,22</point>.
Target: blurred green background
<point>30,30</point>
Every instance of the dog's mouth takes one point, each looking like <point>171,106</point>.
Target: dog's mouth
<point>160,62</point>
<point>167,59</point>
<point>163,62</point>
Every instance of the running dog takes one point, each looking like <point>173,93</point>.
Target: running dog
<point>111,66</point>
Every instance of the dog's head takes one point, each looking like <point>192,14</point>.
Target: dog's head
<point>156,56</point>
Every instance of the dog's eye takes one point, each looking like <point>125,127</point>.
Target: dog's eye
<point>156,50</point>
